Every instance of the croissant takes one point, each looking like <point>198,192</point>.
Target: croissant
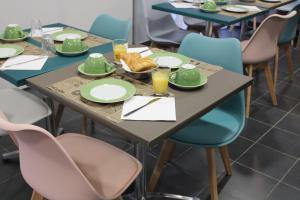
<point>138,64</point>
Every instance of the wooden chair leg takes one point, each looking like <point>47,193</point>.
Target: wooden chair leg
<point>216,33</point>
<point>276,65</point>
<point>226,159</point>
<point>165,155</point>
<point>288,53</point>
<point>212,173</point>
<point>36,196</point>
<point>58,114</point>
<point>119,198</point>
<point>84,125</point>
<point>254,24</point>
<point>270,83</point>
<point>249,90</point>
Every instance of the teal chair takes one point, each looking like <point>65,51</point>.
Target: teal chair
<point>222,125</point>
<point>109,27</point>
<point>285,42</point>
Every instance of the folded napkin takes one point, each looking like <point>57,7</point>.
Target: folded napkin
<point>144,51</point>
<point>161,110</point>
<point>182,5</point>
<point>25,62</point>
<point>50,31</point>
<point>251,8</point>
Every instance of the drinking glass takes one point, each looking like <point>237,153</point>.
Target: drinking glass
<point>48,44</point>
<point>119,47</point>
<point>36,28</point>
<point>160,81</point>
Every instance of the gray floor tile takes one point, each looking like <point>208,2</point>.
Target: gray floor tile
<point>290,123</point>
<point>254,129</point>
<point>293,177</point>
<point>267,114</point>
<point>283,191</point>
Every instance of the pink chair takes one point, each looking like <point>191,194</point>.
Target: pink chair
<point>71,166</point>
<point>261,48</point>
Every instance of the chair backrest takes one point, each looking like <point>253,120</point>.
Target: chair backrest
<point>290,30</point>
<point>222,52</point>
<point>157,22</point>
<point>263,43</point>
<point>109,27</point>
<point>46,166</point>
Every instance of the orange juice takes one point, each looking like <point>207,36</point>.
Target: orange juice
<point>119,49</point>
<point>160,80</point>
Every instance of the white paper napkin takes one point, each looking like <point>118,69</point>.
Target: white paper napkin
<point>50,31</point>
<point>251,8</point>
<point>25,62</point>
<point>182,5</point>
<point>161,110</point>
<point>144,51</point>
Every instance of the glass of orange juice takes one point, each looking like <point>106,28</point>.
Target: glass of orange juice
<point>119,47</point>
<point>160,81</point>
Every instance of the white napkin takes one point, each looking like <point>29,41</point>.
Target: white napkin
<point>183,5</point>
<point>17,63</point>
<point>251,8</point>
<point>144,51</point>
<point>50,31</point>
<point>161,110</point>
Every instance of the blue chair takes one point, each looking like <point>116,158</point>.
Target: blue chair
<point>222,125</point>
<point>285,41</point>
<point>109,27</point>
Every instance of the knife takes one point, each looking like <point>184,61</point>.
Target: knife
<point>133,111</point>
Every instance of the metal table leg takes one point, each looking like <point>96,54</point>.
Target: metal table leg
<point>244,25</point>
<point>208,29</point>
<point>141,193</point>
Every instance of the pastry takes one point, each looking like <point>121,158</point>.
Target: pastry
<point>138,64</point>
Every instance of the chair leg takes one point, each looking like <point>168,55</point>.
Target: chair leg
<point>249,90</point>
<point>212,173</point>
<point>226,160</point>
<point>216,33</point>
<point>84,130</point>
<point>36,196</point>
<point>288,53</point>
<point>270,83</point>
<point>119,198</point>
<point>58,114</point>
<point>164,156</point>
<point>276,65</point>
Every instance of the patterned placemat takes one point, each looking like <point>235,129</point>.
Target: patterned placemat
<point>70,90</point>
<point>92,40</point>
<point>29,49</point>
<point>261,3</point>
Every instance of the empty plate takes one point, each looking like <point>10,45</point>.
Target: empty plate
<point>235,9</point>
<point>272,1</point>
<point>169,59</point>
<point>69,34</point>
<point>107,90</point>
<point>10,50</point>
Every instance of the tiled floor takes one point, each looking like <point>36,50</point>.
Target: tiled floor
<point>265,158</point>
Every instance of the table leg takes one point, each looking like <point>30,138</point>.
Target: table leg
<point>208,29</point>
<point>244,25</point>
<point>51,119</point>
<point>140,151</point>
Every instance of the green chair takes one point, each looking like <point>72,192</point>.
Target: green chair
<point>109,27</point>
<point>285,41</point>
<point>222,125</point>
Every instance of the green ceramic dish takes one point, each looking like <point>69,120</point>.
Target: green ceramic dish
<point>201,82</point>
<point>108,90</point>
<point>7,50</point>
<point>14,40</point>
<point>62,35</point>
<point>210,10</point>
<point>169,59</point>
<point>110,70</point>
<point>76,53</point>
<point>188,75</point>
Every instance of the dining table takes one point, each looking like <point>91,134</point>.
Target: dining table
<point>223,17</point>
<point>33,46</point>
<point>63,86</point>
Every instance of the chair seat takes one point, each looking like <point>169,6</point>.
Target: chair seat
<point>112,175</point>
<point>173,37</point>
<point>216,128</point>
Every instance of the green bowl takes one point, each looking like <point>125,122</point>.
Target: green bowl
<point>111,68</point>
<point>13,31</point>
<point>96,63</point>
<point>188,75</point>
<point>73,45</point>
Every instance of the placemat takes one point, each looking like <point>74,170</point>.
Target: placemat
<point>29,49</point>
<point>261,3</point>
<point>70,90</point>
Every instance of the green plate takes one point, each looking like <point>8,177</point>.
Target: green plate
<point>62,35</point>
<point>202,82</point>
<point>235,9</point>
<point>81,70</point>
<point>169,59</point>
<point>210,10</point>
<point>75,53</point>
<point>108,90</point>
<point>14,40</point>
<point>10,50</point>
